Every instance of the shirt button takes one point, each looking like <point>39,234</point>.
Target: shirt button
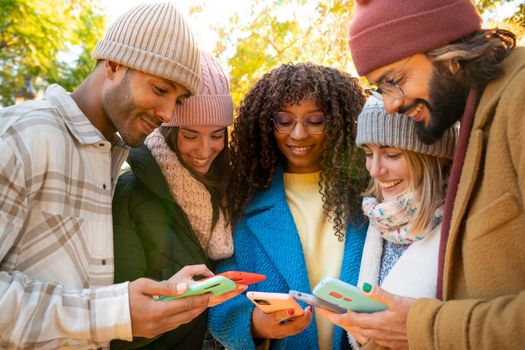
<point>104,186</point>
<point>103,261</point>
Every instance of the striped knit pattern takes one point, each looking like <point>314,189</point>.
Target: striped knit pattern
<point>154,39</point>
<point>213,104</point>
<point>376,127</point>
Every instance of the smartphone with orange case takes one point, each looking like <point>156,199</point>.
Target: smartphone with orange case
<point>241,277</point>
<point>271,302</point>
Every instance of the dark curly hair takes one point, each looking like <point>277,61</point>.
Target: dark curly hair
<point>255,155</point>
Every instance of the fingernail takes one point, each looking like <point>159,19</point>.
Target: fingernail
<point>181,287</point>
<point>291,312</point>
<point>309,309</point>
<point>367,287</point>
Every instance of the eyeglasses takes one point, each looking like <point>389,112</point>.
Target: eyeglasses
<point>391,86</point>
<point>313,123</point>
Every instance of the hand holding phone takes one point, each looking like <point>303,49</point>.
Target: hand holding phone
<point>272,302</point>
<point>277,315</point>
<point>317,302</point>
<point>217,285</point>
<point>346,296</point>
<point>241,277</point>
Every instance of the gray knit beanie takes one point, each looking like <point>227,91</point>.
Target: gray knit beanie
<point>154,39</point>
<point>376,127</point>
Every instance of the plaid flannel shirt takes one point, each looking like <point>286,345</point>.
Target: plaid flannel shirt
<point>56,234</point>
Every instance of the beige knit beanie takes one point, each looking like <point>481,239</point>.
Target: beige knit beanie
<point>154,39</point>
<point>213,104</point>
<point>376,127</point>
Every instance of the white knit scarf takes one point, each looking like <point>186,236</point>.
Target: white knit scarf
<point>393,218</point>
<point>194,199</point>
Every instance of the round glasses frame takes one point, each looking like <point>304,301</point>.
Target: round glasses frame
<point>391,86</point>
<point>311,129</point>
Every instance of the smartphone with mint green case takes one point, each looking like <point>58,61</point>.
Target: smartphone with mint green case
<point>346,296</point>
<point>216,285</point>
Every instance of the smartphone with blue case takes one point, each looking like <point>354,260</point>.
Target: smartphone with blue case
<point>216,285</point>
<point>346,296</point>
<point>317,302</point>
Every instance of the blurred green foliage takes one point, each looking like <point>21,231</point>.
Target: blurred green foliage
<point>275,32</point>
<point>50,41</point>
<point>46,39</point>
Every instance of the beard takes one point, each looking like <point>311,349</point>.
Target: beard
<point>448,96</point>
<point>118,105</point>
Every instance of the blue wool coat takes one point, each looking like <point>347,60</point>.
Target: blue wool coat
<point>266,241</point>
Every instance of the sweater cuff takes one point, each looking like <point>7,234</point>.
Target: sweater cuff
<point>109,313</point>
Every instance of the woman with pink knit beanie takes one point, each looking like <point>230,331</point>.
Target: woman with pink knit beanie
<point>169,209</point>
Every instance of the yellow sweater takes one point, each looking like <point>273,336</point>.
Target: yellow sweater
<point>322,251</point>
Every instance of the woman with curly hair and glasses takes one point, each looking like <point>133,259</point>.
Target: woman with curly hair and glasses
<point>294,198</point>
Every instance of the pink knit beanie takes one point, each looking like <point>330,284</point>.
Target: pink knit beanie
<point>212,105</point>
<point>386,31</point>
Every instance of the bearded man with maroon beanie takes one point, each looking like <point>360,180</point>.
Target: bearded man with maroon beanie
<point>430,60</point>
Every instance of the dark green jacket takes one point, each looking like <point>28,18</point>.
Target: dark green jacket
<point>153,238</point>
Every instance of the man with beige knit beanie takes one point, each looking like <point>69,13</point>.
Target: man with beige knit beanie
<point>432,61</point>
<point>61,157</point>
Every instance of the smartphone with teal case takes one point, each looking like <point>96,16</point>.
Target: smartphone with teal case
<point>217,285</point>
<point>346,296</point>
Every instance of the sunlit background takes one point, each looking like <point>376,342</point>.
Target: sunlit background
<point>50,41</point>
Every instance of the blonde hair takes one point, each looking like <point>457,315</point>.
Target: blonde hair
<point>428,180</point>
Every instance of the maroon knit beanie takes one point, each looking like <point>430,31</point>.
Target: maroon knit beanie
<point>386,31</point>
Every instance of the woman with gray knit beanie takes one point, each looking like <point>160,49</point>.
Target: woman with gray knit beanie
<point>169,209</point>
<point>404,204</point>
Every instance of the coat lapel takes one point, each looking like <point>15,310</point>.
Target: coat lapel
<point>474,157</point>
<point>371,258</point>
<point>354,242</point>
<point>353,251</point>
<point>270,219</point>
<point>275,229</point>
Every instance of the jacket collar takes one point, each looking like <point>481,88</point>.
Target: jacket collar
<point>147,171</point>
<point>494,90</point>
<point>270,219</point>
<point>78,124</point>
<point>271,196</point>
<point>473,158</point>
